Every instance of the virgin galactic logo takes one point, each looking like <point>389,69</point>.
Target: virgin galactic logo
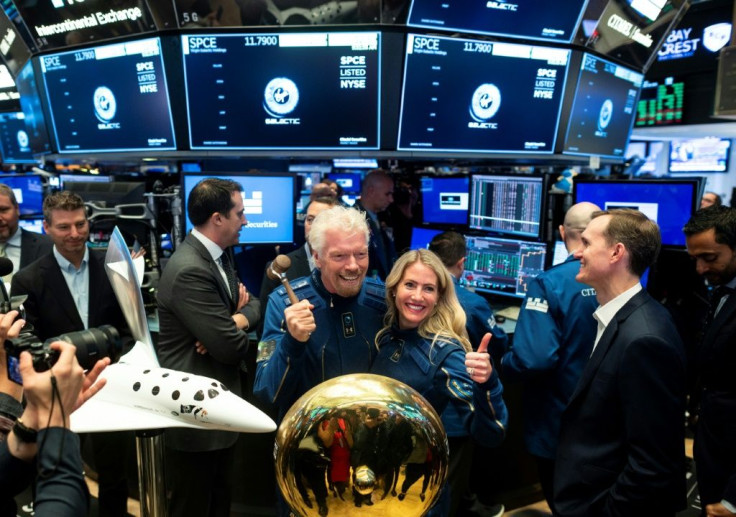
<point>484,105</point>
<point>604,117</point>
<point>105,108</point>
<point>22,137</point>
<point>280,97</point>
<point>715,37</point>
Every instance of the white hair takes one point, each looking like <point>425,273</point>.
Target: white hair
<point>347,220</point>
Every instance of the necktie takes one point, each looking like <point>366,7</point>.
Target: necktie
<point>8,277</point>
<point>715,301</point>
<point>232,277</point>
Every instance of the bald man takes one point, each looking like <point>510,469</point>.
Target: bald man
<point>553,339</point>
<point>376,193</point>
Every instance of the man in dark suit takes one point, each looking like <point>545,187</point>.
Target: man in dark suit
<point>20,246</point>
<point>376,193</point>
<point>200,306</point>
<point>621,449</point>
<point>302,262</point>
<point>710,235</point>
<point>68,290</point>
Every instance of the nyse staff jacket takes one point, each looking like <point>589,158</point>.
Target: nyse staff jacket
<point>621,449</point>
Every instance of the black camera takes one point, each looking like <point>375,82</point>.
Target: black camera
<point>92,345</point>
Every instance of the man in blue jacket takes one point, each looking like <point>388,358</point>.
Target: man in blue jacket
<point>552,342</point>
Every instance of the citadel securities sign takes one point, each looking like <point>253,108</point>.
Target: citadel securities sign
<point>58,23</point>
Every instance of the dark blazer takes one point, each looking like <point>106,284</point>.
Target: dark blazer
<point>33,246</point>
<point>50,307</point>
<point>715,434</point>
<point>194,305</point>
<point>299,268</point>
<point>381,249</point>
<point>621,448</point>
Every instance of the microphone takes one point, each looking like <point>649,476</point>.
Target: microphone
<point>6,267</point>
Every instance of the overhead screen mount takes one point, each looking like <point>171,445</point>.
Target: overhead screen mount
<point>314,90</point>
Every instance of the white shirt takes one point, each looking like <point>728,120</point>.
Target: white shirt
<point>605,313</point>
<point>216,253</point>
<point>12,251</point>
<point>77,280</point>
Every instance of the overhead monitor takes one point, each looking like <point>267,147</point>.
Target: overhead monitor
<point>268,200</point>
<point>528,19</point>
<point>603,109</point>
<point>349,181</point>
<point>14,141</point>
<point>478,96</point>
<point>60,23</point>
<point>421,237</point>
<point>28,190</point>
<point>669,203</point>
<point>30,103</point>
<point>508,205</point>
<point>22,37</point>
<point>700,155</point>
<point>9,96</point>
<point>502,266</point>
<point>355,163</point>
<point>313,90</point>
<point>109,98</point>
<point>630,31</point>
<point>661,103</point>
<point>445,200</point>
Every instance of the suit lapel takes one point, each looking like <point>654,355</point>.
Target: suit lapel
<point>205,255</point>
<point>724,315</point>
<point>607,339</point>
<point>60,291</point>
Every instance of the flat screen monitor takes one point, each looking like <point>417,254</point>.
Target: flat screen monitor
<point>603,108</point>
<point>502,266</point>
<point>109,98</point>
<point>30,104</point>
<point>14,142</point>
<point>355,163</point>
<point>34,225</point>
<point>509,205</point>
<point>700,155</point>
<point>350,182</point>
<point>478,96</point>
<point>314,90</point>
<point>28,190</point>
<point>445,200</point>
<point>528,19</point>
<point>269,205</point>
<point>661,103</point>
<point>421,237</point>
<point>60,23</point>
<point>630,31</point>
<point>559,253</point>
<point>669,203</point>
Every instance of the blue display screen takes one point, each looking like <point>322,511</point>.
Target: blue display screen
<point>28,190</point>
<point>14,141</point>
<point>445,200</point>
<point>350,182</point>
<point>479,96</point>
<point>700,155</point>
<point>421,237</point>
<point>30,104</point>
<point>296,91</point>
<point>109,98</point>
<point>668,203</point>
<point>603,109</point>
<point>529,19</point>
<point>269,205</point>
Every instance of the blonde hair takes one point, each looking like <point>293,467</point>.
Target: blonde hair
<point>447,321</point>
<point>347,220</point>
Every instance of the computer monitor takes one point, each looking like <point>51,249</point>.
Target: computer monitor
<point>34,225</point>
<point>109,98</point>
<point>315,90</point>
<point>502,266</point>
<point>14,141</point>
<point>661,103</point>
<point>700,155</point>
<point>477,96</point>
<point>508,205</point>
<point>669,203</point>
<point>603,108</point>
<point>349,181</point>
<point>528,19</point>
<point>445,200</point>
<point>421,237</point>
<point>30,103</point>
<point>269,204</point>
<point>28,190</point>
<point>559,253</point>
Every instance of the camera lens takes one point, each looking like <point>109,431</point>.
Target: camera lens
<point>94,344</point>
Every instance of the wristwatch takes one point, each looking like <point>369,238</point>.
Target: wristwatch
<point>24,433</point>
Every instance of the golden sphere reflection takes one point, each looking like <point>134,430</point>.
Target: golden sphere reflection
<point>361,444</point>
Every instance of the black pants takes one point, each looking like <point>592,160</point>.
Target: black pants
<point>546,469</point>
<point>199,483</point>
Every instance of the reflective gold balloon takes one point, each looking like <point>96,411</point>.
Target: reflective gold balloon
<point>361,444</point>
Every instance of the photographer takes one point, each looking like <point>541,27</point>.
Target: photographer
<point>42,431</point>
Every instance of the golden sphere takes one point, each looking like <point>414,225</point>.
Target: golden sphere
<point>361,444</point>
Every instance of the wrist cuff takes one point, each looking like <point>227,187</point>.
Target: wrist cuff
<point>24,433</point>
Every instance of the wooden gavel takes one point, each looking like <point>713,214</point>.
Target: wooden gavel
<point>277,271</point>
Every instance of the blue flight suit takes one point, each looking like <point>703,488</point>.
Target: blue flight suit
<point>553,340</point>
<point>342,343</point>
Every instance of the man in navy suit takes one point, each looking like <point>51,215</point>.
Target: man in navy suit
<point>621,449</point>
<point>710,236</point>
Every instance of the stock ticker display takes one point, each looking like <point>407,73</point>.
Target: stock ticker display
<point>109,98</point>
<point>479,96</point>
<point>510,205</point>
<point>502,266</point>
<point>660,103</point>
<point>297,91</point>
<point>530,19</point>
